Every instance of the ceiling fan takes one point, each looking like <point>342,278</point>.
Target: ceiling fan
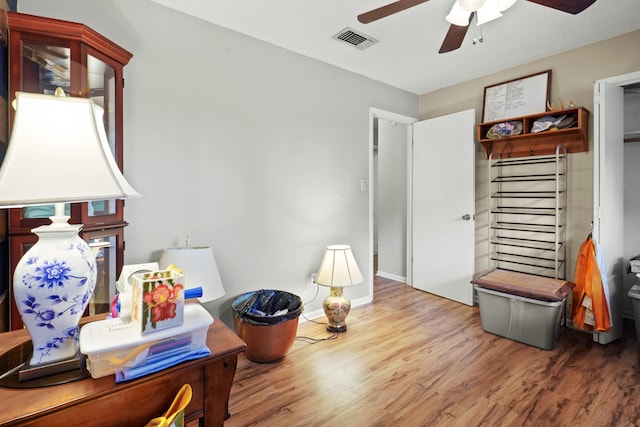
<point>463,11</point>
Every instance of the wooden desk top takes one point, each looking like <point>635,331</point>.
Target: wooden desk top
<point>16,404</point>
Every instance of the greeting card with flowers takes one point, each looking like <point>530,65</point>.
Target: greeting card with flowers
<point>157,300</point>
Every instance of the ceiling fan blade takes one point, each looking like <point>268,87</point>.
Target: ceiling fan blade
<point>569,6</point>
<point>388,9</point>
<point>455,36</point>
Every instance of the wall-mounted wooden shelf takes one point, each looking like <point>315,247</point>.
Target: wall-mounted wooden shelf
<point>575,139</point>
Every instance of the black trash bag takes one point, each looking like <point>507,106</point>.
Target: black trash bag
<point>267,307</point>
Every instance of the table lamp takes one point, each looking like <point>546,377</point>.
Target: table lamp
<point>199,268</point>
<point>58,153</point>
<point>338,269</point>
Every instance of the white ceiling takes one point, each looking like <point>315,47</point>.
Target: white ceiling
<point>407,53</point>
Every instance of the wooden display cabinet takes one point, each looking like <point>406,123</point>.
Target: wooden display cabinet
<point>574,139</point>
<point>45,54</point>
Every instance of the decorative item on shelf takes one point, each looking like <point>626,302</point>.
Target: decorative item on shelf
<point>199,267</point>
<point>572,134</point>
<point>338,270</point>
<point>551,123</point>
<point>54,280</point>
<point>505,129</point>
<point>560,104</point>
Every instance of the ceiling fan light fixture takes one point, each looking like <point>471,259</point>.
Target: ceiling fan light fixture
<point>488,12</point>
<point>470,5</point>
<point>505,4</point>
<point>458,16</point>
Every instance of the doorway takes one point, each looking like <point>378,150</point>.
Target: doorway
<point>390,200</point>
<point>396,138</point>
<point>615,194</point>
<point>434,260</point>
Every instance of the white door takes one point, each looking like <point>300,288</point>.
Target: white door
<point>608,195</point>
<point>443,187</point>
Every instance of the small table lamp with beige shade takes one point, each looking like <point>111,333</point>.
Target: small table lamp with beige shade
<point>338,270</point>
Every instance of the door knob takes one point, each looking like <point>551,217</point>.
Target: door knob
<point>466,217</point>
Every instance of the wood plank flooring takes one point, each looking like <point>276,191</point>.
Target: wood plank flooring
<point>414,359</point>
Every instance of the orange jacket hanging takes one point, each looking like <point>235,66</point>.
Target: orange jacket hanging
<point>588,294</point>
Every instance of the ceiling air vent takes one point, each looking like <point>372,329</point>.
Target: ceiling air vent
<point>352,37</point>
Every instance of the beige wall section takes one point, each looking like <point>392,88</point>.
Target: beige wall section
<point>573,75</point>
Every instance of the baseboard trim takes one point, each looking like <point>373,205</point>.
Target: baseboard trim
<point>391,276</point>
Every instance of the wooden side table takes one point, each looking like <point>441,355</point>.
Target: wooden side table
<point>101,402</point>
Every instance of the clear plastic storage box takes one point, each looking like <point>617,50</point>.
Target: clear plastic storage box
<point>113,344</point>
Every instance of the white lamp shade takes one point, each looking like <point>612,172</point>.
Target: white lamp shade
<point>488,12</point>
<point>199,268</point>
<point>58,152</point>
<point>339,267</point>
<point>458,16</point>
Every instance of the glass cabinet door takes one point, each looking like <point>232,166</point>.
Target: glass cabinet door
<point>101,88</point>
<point>51,65</point>
<point>105,244</point>
<point>45,67</point>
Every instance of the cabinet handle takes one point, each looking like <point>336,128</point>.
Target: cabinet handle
<point>466,217</point>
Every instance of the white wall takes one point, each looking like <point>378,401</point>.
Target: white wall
<point>240,145</point>
<point>391,208</point>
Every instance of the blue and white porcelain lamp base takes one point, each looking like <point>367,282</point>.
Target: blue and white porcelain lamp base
<point>52,286</point>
